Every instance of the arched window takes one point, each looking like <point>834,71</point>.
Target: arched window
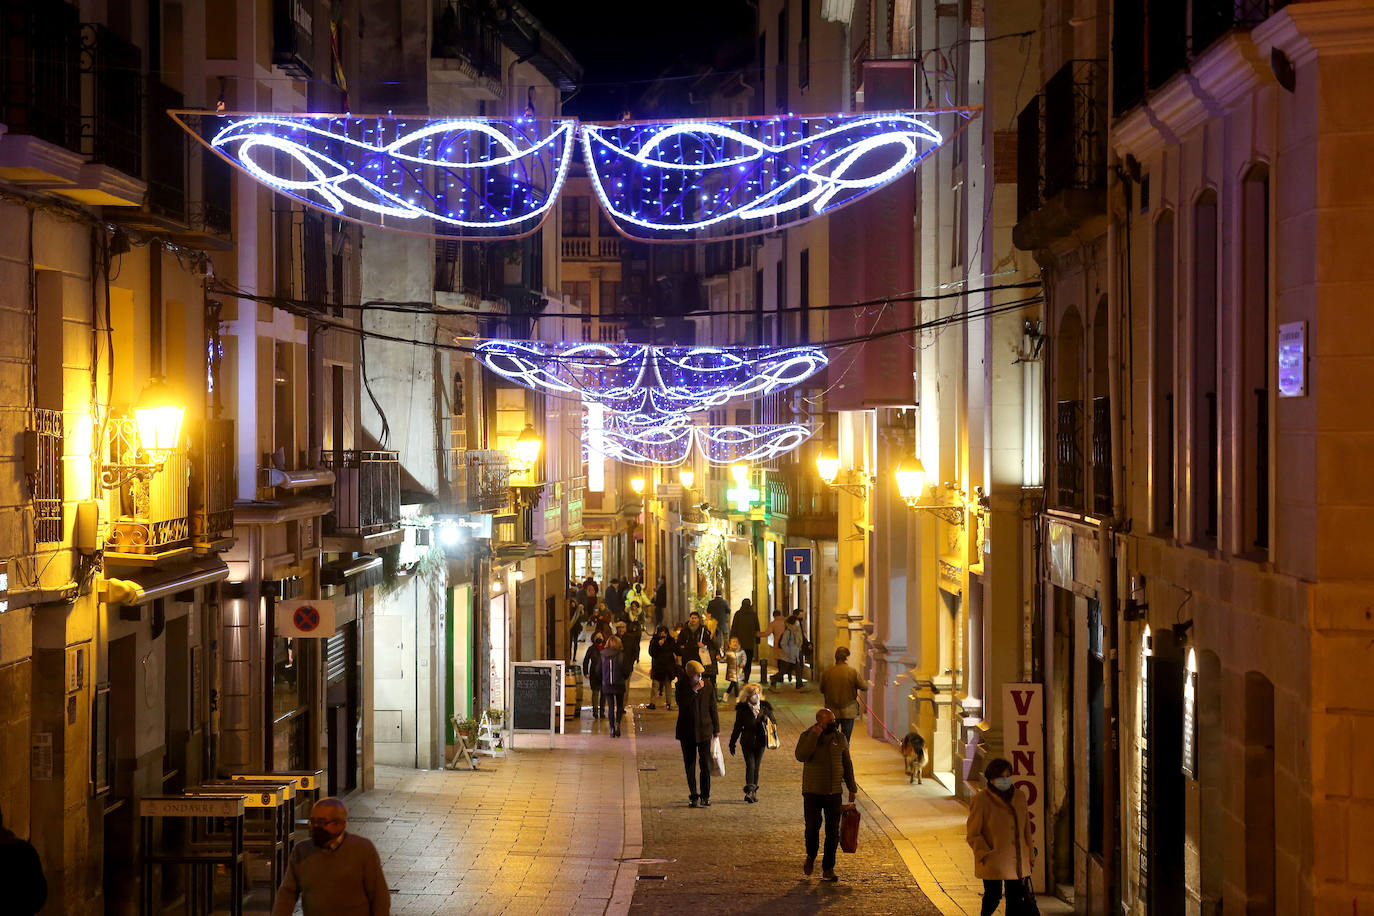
<point>1162,382</point>
<point>1255,399</point>
<point>1204,446</point>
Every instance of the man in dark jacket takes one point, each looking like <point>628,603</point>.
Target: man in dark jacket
<point>745,628</point>
<point>698,723</point>
<point>615,599</point>
<point>21,873</point>
<point>827,770</point>
<point>691,639</point>
<point>661,602</point>
<point>591,667</point>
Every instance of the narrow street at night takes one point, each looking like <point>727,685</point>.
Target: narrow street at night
<point>983,387</point>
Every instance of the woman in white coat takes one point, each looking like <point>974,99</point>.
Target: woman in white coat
<point>999,831</point>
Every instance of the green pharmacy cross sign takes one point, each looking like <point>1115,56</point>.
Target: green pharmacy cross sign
<point>743,497</point>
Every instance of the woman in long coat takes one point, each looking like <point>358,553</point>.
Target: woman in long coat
<point>999,831</point>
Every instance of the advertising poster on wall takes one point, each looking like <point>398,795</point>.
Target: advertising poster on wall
<point>1023,722</point>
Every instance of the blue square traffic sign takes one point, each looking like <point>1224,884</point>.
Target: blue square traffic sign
<point>796,561</point>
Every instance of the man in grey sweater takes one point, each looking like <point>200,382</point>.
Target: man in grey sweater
<point>334,873</point>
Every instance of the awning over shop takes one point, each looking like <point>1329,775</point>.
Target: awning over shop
<point>353,573</point>
<point>145,587</point>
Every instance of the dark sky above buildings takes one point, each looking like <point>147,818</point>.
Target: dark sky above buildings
<point>623,45</point>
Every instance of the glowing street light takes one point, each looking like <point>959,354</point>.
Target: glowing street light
<point>911,479</point>
<point>740,472</point>
<point>688,477</point>
<point>527,446</point>
<point>158,415</point>
<point>637,484</point>
<point>828,467</point>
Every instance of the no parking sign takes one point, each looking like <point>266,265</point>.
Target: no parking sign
<point>305,618</point>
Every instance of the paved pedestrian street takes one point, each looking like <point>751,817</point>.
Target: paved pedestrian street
<point>598,825</point>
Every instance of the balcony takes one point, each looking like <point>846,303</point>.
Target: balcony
<point>1068,455</point>
<point>778,498</point>
<point>367,501</point>
<point>1102,456</point>
<point>40,92</point>
<point>486,483</point>
<point>603,331</point>
<point>151,518</point>
<point>1062,156</point>
<point>814,507</point>
<point>466,38</point>
<point>43,465</point>
<point>601,248</point>
<point>213,486</point>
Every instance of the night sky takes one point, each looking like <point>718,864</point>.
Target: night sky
<point>622,46</point>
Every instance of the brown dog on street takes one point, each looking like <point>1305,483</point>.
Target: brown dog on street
<point>914,754</point>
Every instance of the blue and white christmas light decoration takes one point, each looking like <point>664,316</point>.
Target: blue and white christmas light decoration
<point>453,177</point>
<point>670,443</point>
<point>683,180</point>
<point>648,381</point>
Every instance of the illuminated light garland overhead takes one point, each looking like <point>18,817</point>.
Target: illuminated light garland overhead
<point>652,382</point>
<point>671,443</point>
<point>447,178</point>
<point>677,180</point>
<point>498,178</point>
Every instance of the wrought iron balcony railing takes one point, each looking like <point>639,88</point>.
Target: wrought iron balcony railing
<point>167,154</point>
<point>367,492</point>
<point>591,249</point>
<point>45,475</point>
<point>487,485</point>
<point>152,516</point>
<point>1102,456</point>
<point>112,69</point>
<point>462,32</point>
<point>1068,455</point>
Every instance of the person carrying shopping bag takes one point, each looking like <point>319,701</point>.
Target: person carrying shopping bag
<point>695,643</point>
<point>999,832</point>
<point>826,771</point>
<point>755,724</point>
<point>698,723</point>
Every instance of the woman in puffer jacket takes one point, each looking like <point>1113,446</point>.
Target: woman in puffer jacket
<point>613,678</point>
<point>752,715</point>
<point>1000,833</point>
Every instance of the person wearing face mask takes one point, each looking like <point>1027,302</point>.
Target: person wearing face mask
<point>827,770</point>
<point>752,715</point>
<point>697,723</point>
<point>1000,833</point>
<point>334,873</point>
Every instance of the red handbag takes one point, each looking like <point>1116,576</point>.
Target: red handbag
<point>849,829</point>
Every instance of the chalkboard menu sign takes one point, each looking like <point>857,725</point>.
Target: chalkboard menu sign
<point>532,697</point>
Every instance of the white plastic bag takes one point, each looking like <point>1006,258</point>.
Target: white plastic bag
<point>717,756</point>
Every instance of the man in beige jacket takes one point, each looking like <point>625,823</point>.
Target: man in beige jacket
<point>841,685</point>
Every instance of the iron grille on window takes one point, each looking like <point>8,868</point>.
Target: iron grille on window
<point>1102,456</point>
<point>45,481</point>
<point>463,33</point>
<point>367,492</point>
<point>1068,454</point>
<point>315,257</point>
<point>114,129</point>
<point>40,71</point>
<point>1028,159</point>
<point>1075,128</point>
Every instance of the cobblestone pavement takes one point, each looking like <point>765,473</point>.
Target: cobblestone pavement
<point>738,858</point>
<point>536,832</point>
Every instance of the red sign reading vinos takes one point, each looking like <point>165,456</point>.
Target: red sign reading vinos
<point>1023,724</point>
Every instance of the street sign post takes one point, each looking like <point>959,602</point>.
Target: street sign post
<point>796,561</point>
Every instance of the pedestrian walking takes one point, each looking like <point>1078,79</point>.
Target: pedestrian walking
<point>698,723</point>
<point>734,663</point>
<point>719,608</point>
<point>591,667</point>
<point>999,831</point>
<point>21,874</point>
<point>695,643</point>
<point>334,873</point>
<point>840,684</point>
<point>790,652</point>
<point>745,628</point>
<point>662,663</point>
<point>770,639</point>
<point>827,770</point>
<point>661,601</point>
<point>753,715</point>
<point>615,598</point>
<point>614,674</point>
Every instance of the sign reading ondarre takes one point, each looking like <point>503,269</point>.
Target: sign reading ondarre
<point>1023,720</point>
<point>217,806</point>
